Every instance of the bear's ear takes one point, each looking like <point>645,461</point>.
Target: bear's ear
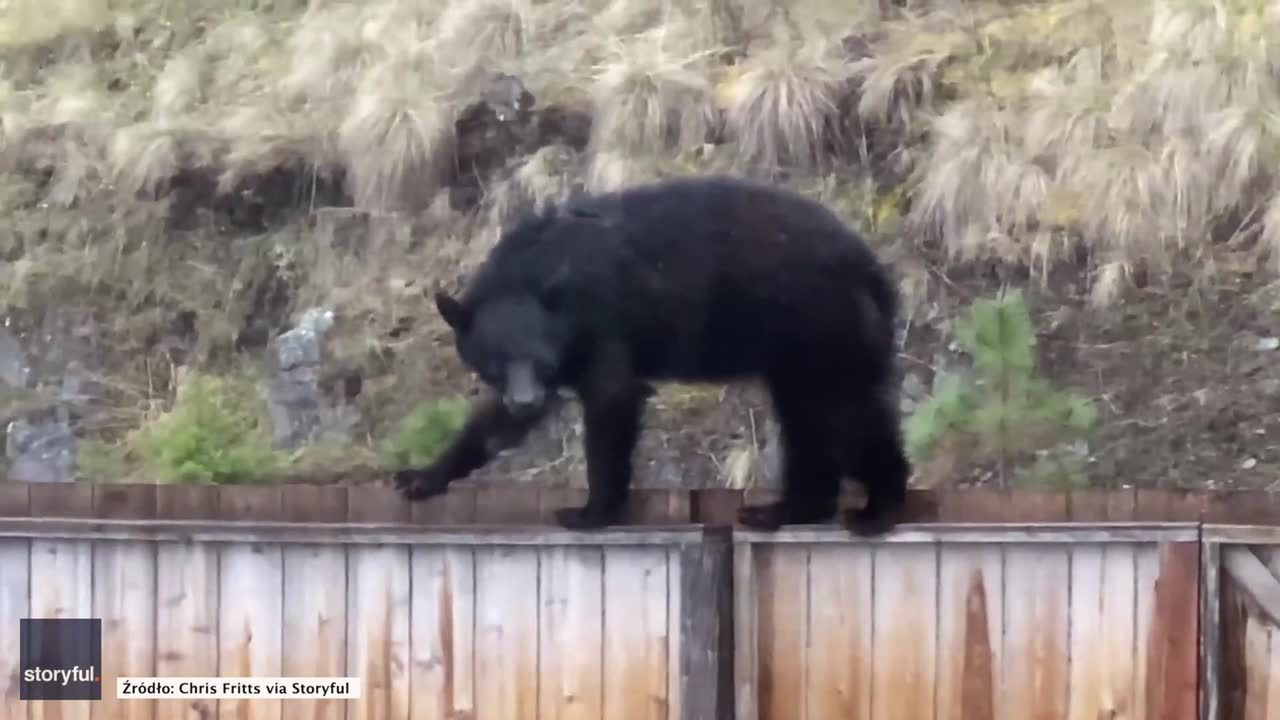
<point>453,312</point>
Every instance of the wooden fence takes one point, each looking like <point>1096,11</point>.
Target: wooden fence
<point>1125,604</point>
<point>1241,577</point>
<point>972,622</point>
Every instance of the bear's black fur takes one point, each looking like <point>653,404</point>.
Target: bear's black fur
<point>711,280</point>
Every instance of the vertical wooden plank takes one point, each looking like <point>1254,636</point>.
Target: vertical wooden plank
<point>15,595</point>
<point>124,596</point>
<point>1146,572</point>
<point>702,578</point>
<point>378,630</point>
<point>1089,648</point>
<point>1211,647</point>
<point>441,633</point>
<point>506,632</point>
<point>430,635</point>
<point>61,587</point>
<point>186,622</point>
<point>675,635</point>
<point>746,625</point>
<point>905,636</point>
<point>461,564</point>
<point>839,652</point>
<point>1270,556</point>
<point>1119,601</point>
<point>1257,660</point>
<point>1171,651</point>
<point>970,628</point>
<point>250,622</point>
<point>1034,659</point>
<point>315,617</point>
<point>783,602</point>
<point>1102,631</point>
<point>635,633</point>
<point>570,641</point>
<point>1273,673</point>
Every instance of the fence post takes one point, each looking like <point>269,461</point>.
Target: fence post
<point>706,633</point>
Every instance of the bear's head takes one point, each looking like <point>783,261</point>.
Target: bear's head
<point>516,343</point>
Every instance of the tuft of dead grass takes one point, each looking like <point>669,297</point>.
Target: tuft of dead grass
<point>782,107</point>
<point>397,139</point>
<point>649,97</point>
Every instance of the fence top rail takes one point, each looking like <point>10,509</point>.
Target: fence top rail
<point>1241,534</point>
<point>986,533</point>
<point>344,534</point>
<point>388,533</point>
<point>492,503</point>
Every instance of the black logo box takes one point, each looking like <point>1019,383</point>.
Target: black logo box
<point>60,659</point>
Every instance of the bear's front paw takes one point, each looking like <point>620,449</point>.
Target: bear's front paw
<point>421,483</point>
<point>865,523</point>
<point>763,517</point>
<point>585,518</point>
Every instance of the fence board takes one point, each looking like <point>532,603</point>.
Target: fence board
<point>674,637</point>
<point>441,633</point>
<point>378,620</point>
<point>124,577</point>
<point>430,636</point>
<point>15,597</point>
<point>1035,660</point>
<point>782,599</point>
<point>186,622</point>
<point>315,633</point>
<point>839,620</point>
<point>1271,556</point>
<point>571,683</point>
<point>1171,677</point>
<point>1257,658</point>
<point>970,628</point>
<point>506,633</point>
<point>635,634</point>
<point>905,631</point>
<point>250,615</point>
<point>61,586</point>
<point>461,564</point>
<point>747,619</point>
<point>1119,627</point>
<point>1102,631</point>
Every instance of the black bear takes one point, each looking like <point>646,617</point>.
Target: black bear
<point>698,280</point>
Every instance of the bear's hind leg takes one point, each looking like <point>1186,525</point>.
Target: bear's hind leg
<point>811,472</point>
<point>875,457</point>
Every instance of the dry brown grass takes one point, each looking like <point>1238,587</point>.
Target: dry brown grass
<point>654,96</point>
<point>782,107</point>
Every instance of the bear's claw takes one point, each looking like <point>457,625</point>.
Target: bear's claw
<point>421,483</point>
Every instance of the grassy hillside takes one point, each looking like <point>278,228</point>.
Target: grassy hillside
<point>183,179</point>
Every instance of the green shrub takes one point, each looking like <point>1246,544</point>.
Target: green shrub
<point>1004,411</point>
<point>98,460</point>
<point>214,433</point>
<point>424,433</point>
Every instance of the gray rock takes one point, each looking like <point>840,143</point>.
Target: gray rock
<point>14,370</point>
<point>40,453</point>
<point>296,406</point>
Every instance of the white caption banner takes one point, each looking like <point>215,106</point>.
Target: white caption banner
<point>265,688</point>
